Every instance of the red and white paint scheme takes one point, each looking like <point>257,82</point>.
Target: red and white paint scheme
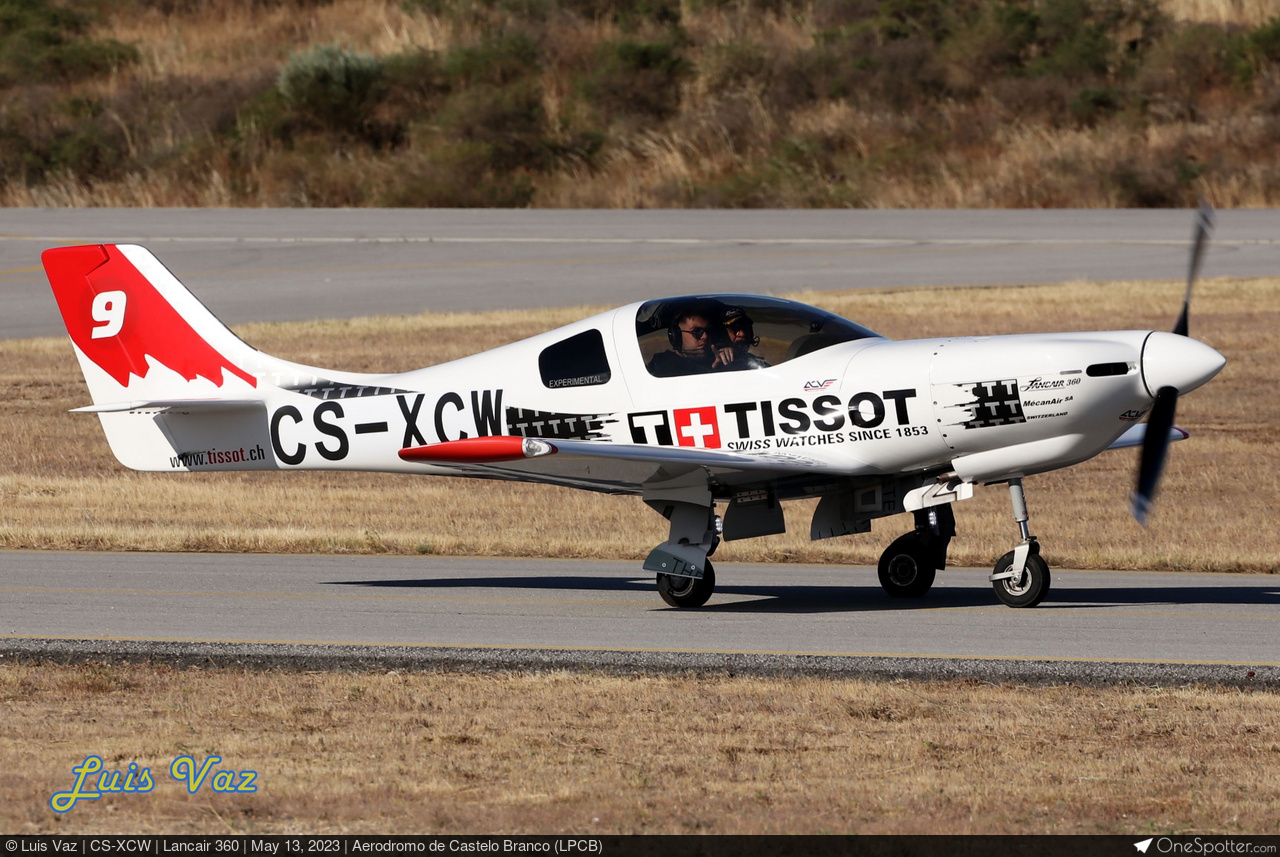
<point>715,409</point>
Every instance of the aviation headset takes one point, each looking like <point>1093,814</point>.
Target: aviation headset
<point>736,315</point>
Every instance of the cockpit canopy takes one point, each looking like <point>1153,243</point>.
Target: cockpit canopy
<point>768,332</point>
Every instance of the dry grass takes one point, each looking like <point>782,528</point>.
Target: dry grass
<point>992,143</point>
<point>1249,13</point>
<point>566,753</point>
<point>60,487</point>
<point>242,38</point>
<point>1038,167</point>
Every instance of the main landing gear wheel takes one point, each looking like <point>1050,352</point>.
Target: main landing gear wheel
<point>907,567</point>
<point>687,591</point>
<point>1027,590</point>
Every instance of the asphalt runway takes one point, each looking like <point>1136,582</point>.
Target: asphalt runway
<point>281,265</point>
<point>1093,624</point>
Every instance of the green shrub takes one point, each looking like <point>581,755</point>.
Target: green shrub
<point>20,163</point>
<point>1188,62</point>
<point>800,174</point>
<point>453,176</point>
<point>1043,100</point>
<point>415,75</point>
<point>1084,54</point>
<point>1152,183</point>
<point>1080,41</point>
<point>429,7</point>
<point>312,176</point>
<point>509,121</point>
<point>907,73</point>
<point>335,88</point>
<point>1093,104</point>
<point>931,20</point>
<point>496,61</point>
<point>40,43</point>
<point>580,149</point>
<point>636,78</point>
<point>628,14</point>
<point>41,135</point>
<point>1264,42</point>
<point>838,65</point>
<point>733,65</point>
<point>856,63</point>
<point>416,84</point>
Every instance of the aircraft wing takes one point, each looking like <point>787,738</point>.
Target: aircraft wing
<point>612,467</point>
<point>1137,434</point>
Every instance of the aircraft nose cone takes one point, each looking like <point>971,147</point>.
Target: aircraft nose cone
<point>1170,360</point>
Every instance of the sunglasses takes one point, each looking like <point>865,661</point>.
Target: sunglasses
<point>695,332</point>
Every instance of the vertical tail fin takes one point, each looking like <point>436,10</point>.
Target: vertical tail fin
<point>139,333</point>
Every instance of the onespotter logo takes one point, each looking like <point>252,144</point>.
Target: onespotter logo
<point>1169,845</point>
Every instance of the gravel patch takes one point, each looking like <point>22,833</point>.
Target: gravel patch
<point>268,656</point>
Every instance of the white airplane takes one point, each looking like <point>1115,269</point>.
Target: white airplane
<point>732,400</point>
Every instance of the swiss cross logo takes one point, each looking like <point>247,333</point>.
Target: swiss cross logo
<point>697,427</point>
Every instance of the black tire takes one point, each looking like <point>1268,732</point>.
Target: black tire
<point>1030,589</point>
<point>686,591</point>
<point>907,567</point>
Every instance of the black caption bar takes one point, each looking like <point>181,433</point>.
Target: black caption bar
<point>642,846</point>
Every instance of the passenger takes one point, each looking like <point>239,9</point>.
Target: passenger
<point>696,347</point>
<point>740,333</point>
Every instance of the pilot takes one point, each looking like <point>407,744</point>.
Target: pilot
<point>740,333</point>
<point>697,346</point>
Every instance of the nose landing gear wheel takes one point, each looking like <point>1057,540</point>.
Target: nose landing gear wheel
<point>907,566</point>
<point>1029,589</point>
<point>686,591</point>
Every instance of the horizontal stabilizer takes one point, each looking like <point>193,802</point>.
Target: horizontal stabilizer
<point>1136,435</point>
<point>154,406</point>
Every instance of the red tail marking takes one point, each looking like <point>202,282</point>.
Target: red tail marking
<point>150,327</point>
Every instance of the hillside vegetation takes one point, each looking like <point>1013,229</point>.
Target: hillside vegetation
<point>653,103</point>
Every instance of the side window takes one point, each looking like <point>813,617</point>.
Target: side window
<point>578,361</point>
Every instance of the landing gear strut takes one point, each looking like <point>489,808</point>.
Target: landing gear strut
<point>686,577</point>
<point>909,565</point>
<point>1021,577</point>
